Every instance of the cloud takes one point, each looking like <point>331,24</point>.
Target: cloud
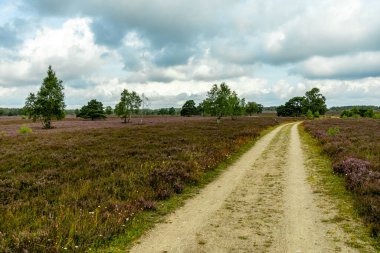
<point>341,67</point>
<point>70,50</point>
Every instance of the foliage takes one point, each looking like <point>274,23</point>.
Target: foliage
<point>333,131</point>
<point>78,189</point>
<point>108,110</point>
<point>309,114</point>
<point>355,153</point>
<point>93,110</point>
<point>48,104</point>
<point>25,130</point>
<point>221,101</point>
<point>2,112</point>
<point>171,111</point>
<point>313,101</point>
<point>293,108</point>
<point>358,112</point>
<point>189,108</point>
<point>129,102</point>
<point>253,107</point>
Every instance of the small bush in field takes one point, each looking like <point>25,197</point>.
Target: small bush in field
<point>25,130</point>
<point>333,131</point>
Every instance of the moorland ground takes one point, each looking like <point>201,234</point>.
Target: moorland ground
<point>80,184</point>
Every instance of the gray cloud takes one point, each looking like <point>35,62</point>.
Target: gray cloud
<point>355,66</point>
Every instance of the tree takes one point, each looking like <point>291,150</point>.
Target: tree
<point>108,110</point>
<point>292,108</point>
<point>49,103</point>
<point>253,107</point>
<point>93,110</point>
<point>217,101</point>
<point>236,105</point>
<point>315,102</point>
<point>129,102</point>
<point>189,108</point>
<point>1,112</point>
<point>171,111</point>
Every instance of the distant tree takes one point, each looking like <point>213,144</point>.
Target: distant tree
<point>315,102</point>
<point>129,102</point>
<point>236,105</point>
<point>189,108</point>
<point>171,111</point>
<point>292,108</point>
<point>93,110</point>
<point>108,110</point>
<point>49,103</point>
<point>217,101</point>
<point>253,107</point>
<point>163,111</point>
<point>1,112</point>
<point>201,109</point>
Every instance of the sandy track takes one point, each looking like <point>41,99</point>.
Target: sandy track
<point>262,203</point>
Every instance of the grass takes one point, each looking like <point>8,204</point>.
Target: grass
<point>326,183</point>
<point>96,188</point>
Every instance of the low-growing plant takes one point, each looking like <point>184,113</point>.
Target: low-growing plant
<point>55,197</point>
<point>333,131</point>
<point>355,153</point>
<point>24,129</point>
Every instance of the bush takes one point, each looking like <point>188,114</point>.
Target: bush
<point>356,171</point>
<point>309,114</point>
<point>24,129</point>
<point>333,131</point>
<point>316,114</point>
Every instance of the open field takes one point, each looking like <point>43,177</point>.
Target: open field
<point>353,145</point>
<point>10,125</point>
<point>78,188</point>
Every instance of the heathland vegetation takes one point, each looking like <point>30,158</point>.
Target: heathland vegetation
<point>76,190</point>
<point>353,145</point>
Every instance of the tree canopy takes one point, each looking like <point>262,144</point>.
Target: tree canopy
<point>93,110</point>
<point>189,108</point>
<point>129,102</point>
<point>221,101</point>
<point>313,103</point>
<point>253,107</point>
<point>49,103</point>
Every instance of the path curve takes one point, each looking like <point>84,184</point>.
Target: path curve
<point>261,203</point>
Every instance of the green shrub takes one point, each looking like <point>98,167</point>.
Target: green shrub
<point>24,129</point>
<point>376,116</point>
<point>309,114</point>
<point>316,114</point>
<point>333,131</point>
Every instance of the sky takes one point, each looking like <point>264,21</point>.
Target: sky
<point>268,51</point>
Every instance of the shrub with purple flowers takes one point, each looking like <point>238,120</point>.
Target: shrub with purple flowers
<point>355,153</point>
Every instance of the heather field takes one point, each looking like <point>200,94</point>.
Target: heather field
<point>354,148</point>
<point>79,184</point>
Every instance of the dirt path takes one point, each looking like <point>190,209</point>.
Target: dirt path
<point>262,203</point>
